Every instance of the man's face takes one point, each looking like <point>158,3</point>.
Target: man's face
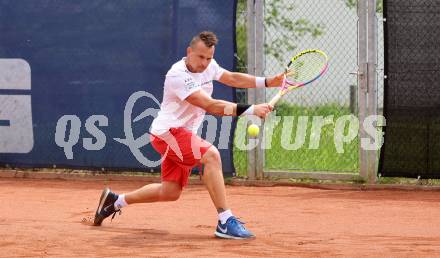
<point>199,56</point>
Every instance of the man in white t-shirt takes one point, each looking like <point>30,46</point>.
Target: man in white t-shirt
<point>186,98</point>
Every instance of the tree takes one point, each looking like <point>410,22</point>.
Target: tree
<point>276,20</point>
<point>353,3</point>
<point>286,30</point>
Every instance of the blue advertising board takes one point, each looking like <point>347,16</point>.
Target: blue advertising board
<point>81,81</point>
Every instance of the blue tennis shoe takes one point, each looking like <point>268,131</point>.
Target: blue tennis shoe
<point>233,229</point>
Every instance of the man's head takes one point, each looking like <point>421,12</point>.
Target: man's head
<point>201,51</point>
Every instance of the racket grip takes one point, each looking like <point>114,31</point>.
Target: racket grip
<point>275,99</point>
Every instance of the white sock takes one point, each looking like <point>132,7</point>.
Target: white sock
<point>120,202</point>
<point>224,216</point>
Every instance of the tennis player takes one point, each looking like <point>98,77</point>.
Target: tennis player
<point>186,97</point>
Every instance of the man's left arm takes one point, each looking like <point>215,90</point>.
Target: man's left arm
<point>242,80</point>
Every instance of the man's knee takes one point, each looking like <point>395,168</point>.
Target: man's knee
<point>169,194</point>
<point>211,155</point>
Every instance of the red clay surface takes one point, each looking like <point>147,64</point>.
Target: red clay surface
<point>42,218</point>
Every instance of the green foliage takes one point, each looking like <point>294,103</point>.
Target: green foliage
<point>277,20</point>
<point>241,37</point>
<point>324,158</point>
<point>286,30</point>
<point>353,3</point>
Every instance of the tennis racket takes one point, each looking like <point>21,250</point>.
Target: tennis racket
<point>304,68</point>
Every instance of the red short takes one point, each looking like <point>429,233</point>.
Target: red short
<point>181,150</point>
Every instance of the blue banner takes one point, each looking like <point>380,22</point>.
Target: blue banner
<point>81,81</point>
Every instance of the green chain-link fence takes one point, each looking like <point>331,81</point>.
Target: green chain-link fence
<point>305,123</point>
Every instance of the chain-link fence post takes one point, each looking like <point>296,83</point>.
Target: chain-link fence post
<point>251,96</point>
<point>363,83</point>
<point>255,48</point>
<point>372,82</point>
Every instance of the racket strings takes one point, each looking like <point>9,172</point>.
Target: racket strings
<point>306,67</point>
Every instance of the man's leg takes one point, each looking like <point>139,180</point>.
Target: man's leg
<point>165,191</point>
<point>174,178</point>
<point>110,203</point>
<point>213,178</point>
<point>228,226</point>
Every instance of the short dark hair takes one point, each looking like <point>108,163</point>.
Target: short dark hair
<point>208,37</point>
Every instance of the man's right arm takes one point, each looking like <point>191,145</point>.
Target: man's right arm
<point>221,107</point>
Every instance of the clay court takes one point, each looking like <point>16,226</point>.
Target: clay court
<point>47,217</point>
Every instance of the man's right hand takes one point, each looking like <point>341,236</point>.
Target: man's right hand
<point>262,110</point>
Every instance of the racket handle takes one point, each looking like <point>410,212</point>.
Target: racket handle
<point>275,99</point>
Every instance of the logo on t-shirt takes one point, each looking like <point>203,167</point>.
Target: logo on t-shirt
<point>207,82</point>
<point>191,84</point>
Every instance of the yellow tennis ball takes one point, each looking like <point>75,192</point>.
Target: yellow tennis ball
<point>253,130</point>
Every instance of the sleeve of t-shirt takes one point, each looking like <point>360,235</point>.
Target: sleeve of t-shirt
<point>182,86</point>
<point>217,69</point>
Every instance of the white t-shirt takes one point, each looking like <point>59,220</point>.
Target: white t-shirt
<point>175,111</point>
